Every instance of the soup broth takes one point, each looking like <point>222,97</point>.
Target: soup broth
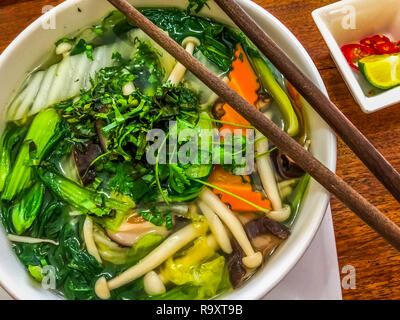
<point>124,177</point>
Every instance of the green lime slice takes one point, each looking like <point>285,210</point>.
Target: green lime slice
<point>382,71</point>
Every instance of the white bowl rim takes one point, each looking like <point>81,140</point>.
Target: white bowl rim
<point>245,293</point>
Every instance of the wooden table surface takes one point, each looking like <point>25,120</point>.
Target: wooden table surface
<point>377,264</point>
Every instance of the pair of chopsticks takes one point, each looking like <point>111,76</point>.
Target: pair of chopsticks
<point>378,165</point>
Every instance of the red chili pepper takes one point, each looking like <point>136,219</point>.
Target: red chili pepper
<point>355,52</point>
<point>386,48</point>
<point>377,39</point>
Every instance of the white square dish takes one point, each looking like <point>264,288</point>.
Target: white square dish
<point>349,21</point>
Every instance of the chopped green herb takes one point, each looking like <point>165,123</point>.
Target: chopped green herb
<point>196,5</point>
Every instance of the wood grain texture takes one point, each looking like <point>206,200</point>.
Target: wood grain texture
<point>377,264</point>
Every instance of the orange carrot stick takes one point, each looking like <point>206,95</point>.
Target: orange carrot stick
<point>239,185</point>
<point>245,82</point>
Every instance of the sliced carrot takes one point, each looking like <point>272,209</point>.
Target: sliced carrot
<point>245,82</point>
<point>242,77</point>
<point>238,185</point>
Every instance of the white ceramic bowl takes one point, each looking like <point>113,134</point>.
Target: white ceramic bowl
<point>32,44</point>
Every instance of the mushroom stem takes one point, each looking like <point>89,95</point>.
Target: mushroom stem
<point>64,49</point>
<point>166,249</point>
<point>213,98</point>
<point>89,239</point>
<point>216,227</point>
<point>22,239</point>
<point>266,172</point>
<point>153,284</point>
<point>280,215</point>
<point>253,259</point>
<point>128,89</point>
<point>179,70</point>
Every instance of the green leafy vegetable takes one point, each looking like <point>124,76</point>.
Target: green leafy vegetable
<point>82,268</point>
<point>279,95</point>
<point>177,179</point>
<point>26,211</point>
<point>79,197</point>
<point>199,267</point>
<point>217,41</point>
<point>44,132</point>
<point>75,268</point>
<point>147,68</point>
<point>83,47</point>
<point>157,217</point>
<point>36,273</point>
<point>294,199</point>
<point>6,216</point>
<point>9,140</point>
<point>196,5</point>
<point>129,179</point>
<point>144,246</point>
<point>113,253</point>
<point>127,119</point>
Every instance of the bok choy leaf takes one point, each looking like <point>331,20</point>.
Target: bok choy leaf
<point>43,133</point>
<point>11,136</point>
<point>25,212</point>
<point>83,199</point>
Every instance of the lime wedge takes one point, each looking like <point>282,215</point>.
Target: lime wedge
<point>382,71</point>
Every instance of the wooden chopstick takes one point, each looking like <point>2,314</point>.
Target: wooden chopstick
<point>356,141</point>
<point>334,184</point>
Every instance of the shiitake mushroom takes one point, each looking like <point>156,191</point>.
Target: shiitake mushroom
<point>286,167</point>
<point>84,155</point>
<point>265,235</point>
<point>265,225</point>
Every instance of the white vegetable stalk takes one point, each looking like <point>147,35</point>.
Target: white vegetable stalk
<point>217,228</point>
<point>89,239</point>
<point>177,74</point>
<point>253,259</point>
<point>15,238</point>
<point>165,250</point>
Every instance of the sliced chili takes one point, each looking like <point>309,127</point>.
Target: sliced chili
<point>377,39</point>
<point>386,48</point>
<point>355,52</point>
